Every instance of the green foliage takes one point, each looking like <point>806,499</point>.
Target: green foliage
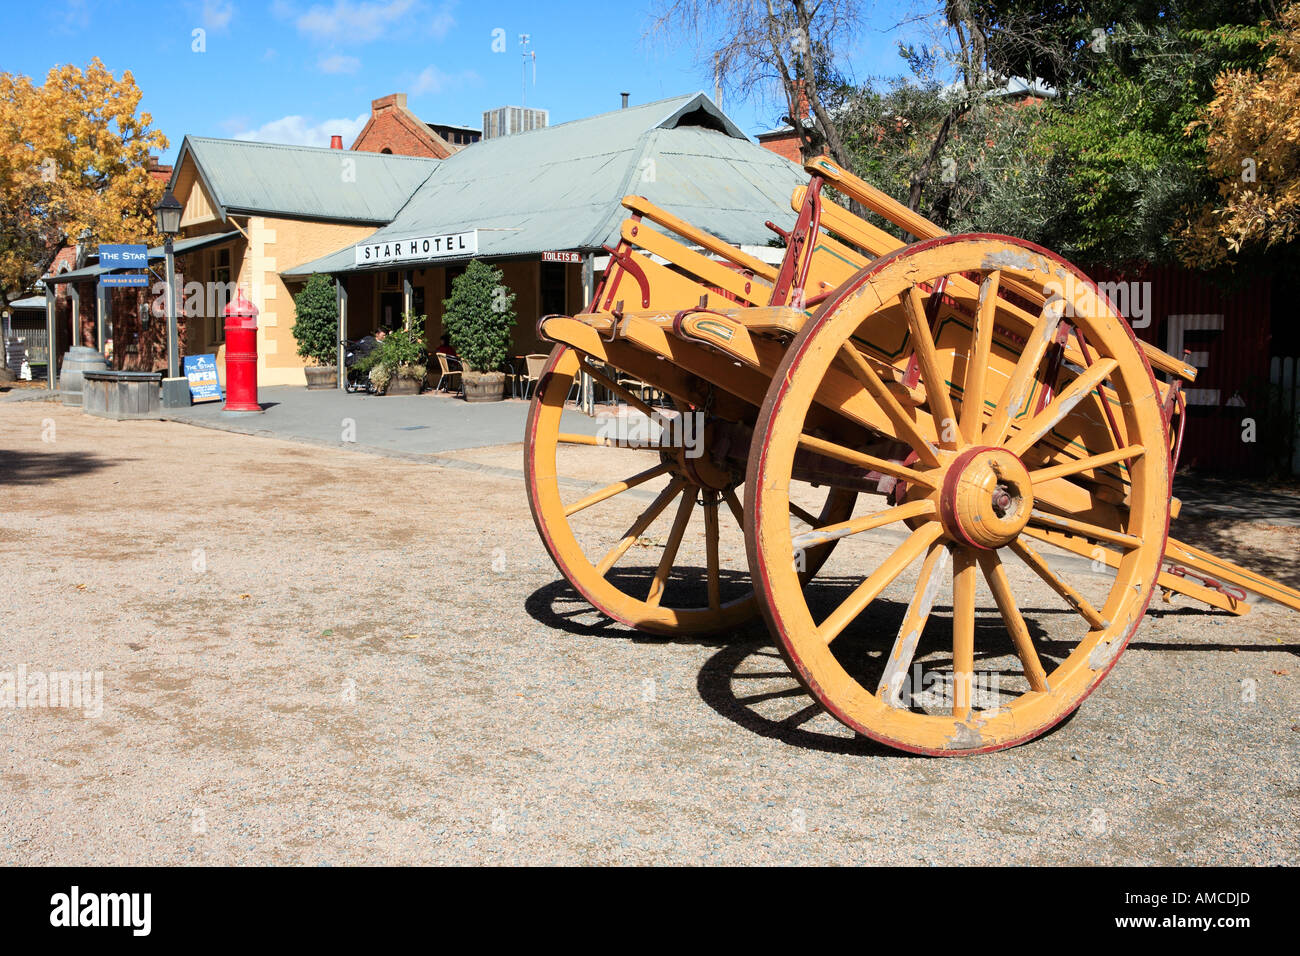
<point>1105,171</point>
<point>316,321</point>
<point>479,316</point>
<point>400,352</point>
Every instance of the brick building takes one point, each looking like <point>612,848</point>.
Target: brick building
<point>393,128</point>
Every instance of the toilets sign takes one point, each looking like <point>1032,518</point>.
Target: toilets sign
<point>454,245</point>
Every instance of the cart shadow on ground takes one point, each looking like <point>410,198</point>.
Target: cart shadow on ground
<point>748,681</point>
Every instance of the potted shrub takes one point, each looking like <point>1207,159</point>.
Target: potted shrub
<point>478,318</point>
<point>316,329</point>
<point>397,365</point>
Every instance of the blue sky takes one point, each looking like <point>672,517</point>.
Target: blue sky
<point>298,70</point>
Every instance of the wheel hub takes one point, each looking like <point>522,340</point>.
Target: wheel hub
<point>985,499</point>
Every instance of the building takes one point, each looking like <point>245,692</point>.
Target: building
<point>250,211</point>
<point>542,205</point>
<point>524,201</point>
<point>393,128</point>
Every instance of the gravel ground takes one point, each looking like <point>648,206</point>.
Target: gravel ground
<point>319,656</point>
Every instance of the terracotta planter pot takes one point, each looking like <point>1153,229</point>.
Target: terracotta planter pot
<point>484,386</point>
<point>322,376</point>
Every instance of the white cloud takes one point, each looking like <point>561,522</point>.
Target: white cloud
<point>347,21</point>
<point>433,80</point>
<point>338,63</point>
<point>300,131</point>
<point>443,21</point>
<point>216,15</point>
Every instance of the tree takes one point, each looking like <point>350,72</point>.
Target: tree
<point>792,44</point>
<point>74,157</point>
<point>316,320</point>
<point>1252,131</point>
<point>1103,171</point>
<point>479,316</point>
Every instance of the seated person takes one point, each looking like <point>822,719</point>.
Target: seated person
<point>445,346</point>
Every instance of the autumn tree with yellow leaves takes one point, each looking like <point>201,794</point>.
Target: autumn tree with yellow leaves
<point>74,157</point>
<point>1253,153</point>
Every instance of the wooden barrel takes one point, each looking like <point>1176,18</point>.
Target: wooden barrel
<point>76,360</point>
<point>122,396</point>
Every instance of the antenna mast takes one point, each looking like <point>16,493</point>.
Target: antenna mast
<point>527,54</point>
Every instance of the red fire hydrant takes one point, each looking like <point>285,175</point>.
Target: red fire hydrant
<point>241,356</point>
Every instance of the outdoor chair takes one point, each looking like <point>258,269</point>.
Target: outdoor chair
<point>533,367</point>
<point>449,368</point>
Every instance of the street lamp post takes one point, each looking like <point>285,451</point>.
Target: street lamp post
<point>168,212</point>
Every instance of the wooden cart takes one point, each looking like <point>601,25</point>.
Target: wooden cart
<point>953,402</point>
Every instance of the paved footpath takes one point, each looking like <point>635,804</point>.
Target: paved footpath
<point>397,424</point>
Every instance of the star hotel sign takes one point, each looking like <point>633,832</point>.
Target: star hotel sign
<point>445,246</point>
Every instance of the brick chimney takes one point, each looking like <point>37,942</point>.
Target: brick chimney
<point>386,104</point>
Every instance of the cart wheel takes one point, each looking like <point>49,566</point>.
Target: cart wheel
<point>685,575</point>
<point>986,479</point>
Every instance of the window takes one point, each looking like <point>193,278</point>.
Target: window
<point>553,298</point>
<point>218,284</point>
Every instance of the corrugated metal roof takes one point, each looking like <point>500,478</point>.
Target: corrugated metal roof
<point>304,181</point>
<point>179,247</point>
<point>560,187</point>
<point>31,302</point>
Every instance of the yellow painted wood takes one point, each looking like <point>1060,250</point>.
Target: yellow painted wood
<point>811,376</point>
<point>1166,581</point>
<point>754,290</point>
<point>699,237</point>
<point>934,378</point>
<point>977,365</point>
<point>922,228</point>
<point>996,576</point>
<point>1185,554</point>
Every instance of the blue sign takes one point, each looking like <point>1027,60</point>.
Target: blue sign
<point>124,257</point>
<point>126,280</point>
<point>201,370</point>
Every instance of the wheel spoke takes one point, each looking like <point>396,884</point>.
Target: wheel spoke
<point>1084,528</point>
<point>638,527</point>
<point>927,355</point>
<point>729,496</point>
<point>1084,464</point>
<point>903,423</point>
<point>909,633</point>
<point>963,631</point>
<point>996,576</point>
<point>618,390</point>
<point>1023,376</point>
<point>566,438</point>
<point>670,548</point>
<point>833,532</point>
<point>1061,405</point>
<point>881,578</point>
<point>1067,593</point>
<point>852,457</point>
<point>977,359</point>
<point>807,517</point>
<point>711,550</point>
<point>617,488</point>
